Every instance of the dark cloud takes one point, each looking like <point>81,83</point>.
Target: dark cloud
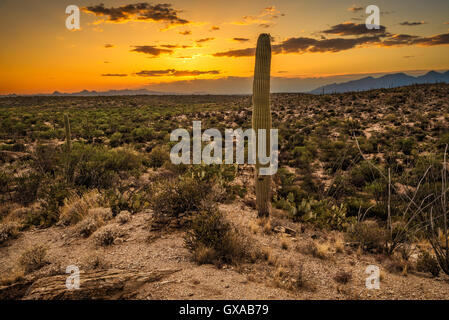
<point>355,8</point>
<point>240,39</point>
<point>248,52</point>
<point>409,40</point>
<point>114,75</point>
<point>399,40</point>
<point>204,40</point>
<point>353,29</point>
<point>214,28</point>
<point>174,46</point>
<point>144,11</point>
<point>174,73</point>
<point>108,45</point>
<point>437,40</point>
<point>185,33</point>
<point>151,50</point>
<point>361,36</point>
<point>414,23</point>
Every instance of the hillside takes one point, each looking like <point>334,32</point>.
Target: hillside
<point>139,227</point>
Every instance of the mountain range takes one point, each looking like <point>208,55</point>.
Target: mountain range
<point>386,81</point>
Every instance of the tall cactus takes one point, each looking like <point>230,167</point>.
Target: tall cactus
<point>68,133</point>
<point>262,117</point>
<point>68,147</point>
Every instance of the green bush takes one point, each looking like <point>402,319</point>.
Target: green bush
<point>428,263</point>
<point>212,239</point>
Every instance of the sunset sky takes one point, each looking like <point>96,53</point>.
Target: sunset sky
<point>199,46</point>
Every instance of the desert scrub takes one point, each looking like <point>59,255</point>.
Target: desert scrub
<point>33,258</point>
<point>8,230</point>
<point>184,195</point>
<point>96,217</point>
<point>105,236</point>
<point>123,217</point>
<point>428,263</point>
<point>212,239</point>
<point>368,235</point>
<point>76,207</point>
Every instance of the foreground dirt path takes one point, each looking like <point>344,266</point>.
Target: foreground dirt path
<point>143,251</point>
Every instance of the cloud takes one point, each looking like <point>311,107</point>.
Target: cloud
<point>414,23</point>
<point>436,40</point>
<point>358,34</point>
<point>409,40</point>
<point>304,44</point>
<point>248,52</point>
<point>214,28</point>
<point>204,40</point>
<point>240,39</point>
<point>144,11</point>
<point>185,33</point>
<point>174,46</point>
<point>114,75</point>
<point>151,50</point>
<point>355,8</point>
<point>263,19</point>
<point>174,73</point>
<point>108,45</point>
<point>353,29</point>
<point>399,40</point>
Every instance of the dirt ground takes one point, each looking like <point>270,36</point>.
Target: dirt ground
<point>142,250</point>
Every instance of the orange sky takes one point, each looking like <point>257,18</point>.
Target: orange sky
<point>40,55</point>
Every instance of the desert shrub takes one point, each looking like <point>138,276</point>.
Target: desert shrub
<point>96,217</point>
<point>105,236</point>
<point>158,156</point>
<point>174,197</point>
<point>95,261</point>
<point>88,226</point>
<point>343,277</point>
<point>76,207</point>
<point>128,200</point>
<point>322,214</point>
<point>124,217</point>
<point>427,263</point>
<point>27,186</point>
<point>33,258</point>
<point>98,167</point>
<point>51,195</point>
<point>8,230</point>
<point>212,239</point>
<point>116,139</point>
<point>369,235</point>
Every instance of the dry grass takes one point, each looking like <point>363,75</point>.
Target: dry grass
<point>76,207</point>
<point>33,258</point>
<point>124,217</point>
<point>106,236</point>
<point>8,230</point>
<point>95,218</point>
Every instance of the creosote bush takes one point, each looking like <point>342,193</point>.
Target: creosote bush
<point>369,235</point>
<point>105,236</point>
<point>8,230</point>
<point>428,263</point>
<point>212,239</point>
<point>33,258</point>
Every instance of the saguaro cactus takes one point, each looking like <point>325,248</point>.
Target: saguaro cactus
<point>68,133</point>
<point>262,117</point>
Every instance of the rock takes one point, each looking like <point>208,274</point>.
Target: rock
<point>287,230</point>
<point>105,284</point>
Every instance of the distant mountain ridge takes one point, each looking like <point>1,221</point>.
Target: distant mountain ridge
<point>93,93</point>
<point>386,81</point>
